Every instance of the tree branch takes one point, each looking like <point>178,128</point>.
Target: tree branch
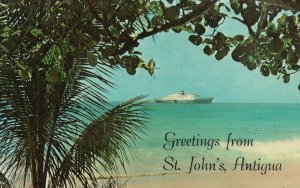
<point>285,4</point>
<point>200,9</point>
<point>251,32</point>
<point>203,7</point>
<point>262,19</point>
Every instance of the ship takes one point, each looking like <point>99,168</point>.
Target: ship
<point>181,97</point>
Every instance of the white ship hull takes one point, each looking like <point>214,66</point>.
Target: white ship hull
<point>181,97</point>
<point>200,101</point>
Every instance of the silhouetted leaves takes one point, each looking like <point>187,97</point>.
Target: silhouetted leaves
<point>207,50</point>
<point>195,39</point>
<point>238,37</point>
<point>36,32</point>
<point>199,29</point>
<point>239,53</point>
<point>265,71</point>
<point>286,78</point>
<point>91,58</point>
<point>221,53</point>
<point>172,13</point>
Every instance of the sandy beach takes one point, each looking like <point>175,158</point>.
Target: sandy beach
<point>287,178</point>
<point>287,152</point>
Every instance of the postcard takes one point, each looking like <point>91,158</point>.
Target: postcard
<point>150,93</point>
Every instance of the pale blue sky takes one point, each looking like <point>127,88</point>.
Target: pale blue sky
<point>185,66</point>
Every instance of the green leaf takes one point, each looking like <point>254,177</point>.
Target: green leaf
<point>251,66</point>
<point>265,71</point>
<point>250,15</point>
<point>172,13</point>
<point>271,28</point>
<point>286,40</point>
<point>207,50</point>
<point>151,65</point>
<point>20,65</point>
<point>24,74</point>
<point>239,53</point>
<point>131,63</point>
<point>286,78</point>
<point>281,20</point>
<point>176,29</point>
<point>292,58</point>
<point>295,67</point>
<point>276,45</point>
<point>236,6</point>
<point>274,70</point>
<point>3,5</point>
<point>213,22</point>
<point>157,20</point>
<point>94,32</point>
<point>170,1</point>
<point>195,39</point>
<point>199,29</point>
<point>130,71</point>
<point>221,54</point>
<point>91,58</point>
<point>36,32</point>
<point>239,38</point>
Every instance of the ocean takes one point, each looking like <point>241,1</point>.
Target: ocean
<point>273,130</point>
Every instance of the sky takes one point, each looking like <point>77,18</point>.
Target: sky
<point>183,66</point>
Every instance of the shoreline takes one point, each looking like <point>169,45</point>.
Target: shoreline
<point>288,178</point>
<point>285,151</point>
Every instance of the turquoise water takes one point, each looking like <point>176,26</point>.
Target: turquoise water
<point>260,122</point>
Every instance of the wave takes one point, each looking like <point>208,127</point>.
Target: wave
<point>279,150</point>
<point>142,175</point>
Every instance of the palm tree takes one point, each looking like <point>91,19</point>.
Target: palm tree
<point>56,127</point>
<point>53,131</point>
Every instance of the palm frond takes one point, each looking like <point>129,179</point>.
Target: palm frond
<point>103,142</point>
<point>15,132</point>
<point>4,182</point>
<point>82,101</point>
